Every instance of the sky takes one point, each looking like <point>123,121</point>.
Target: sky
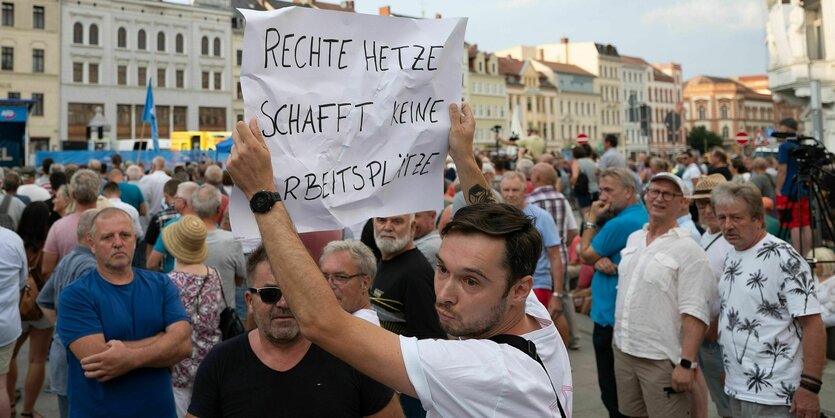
<point>707,37</point>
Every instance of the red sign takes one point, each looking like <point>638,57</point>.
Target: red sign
<point>582,139</point>
<point>742,138</point>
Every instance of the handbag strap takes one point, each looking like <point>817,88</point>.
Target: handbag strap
<point>529,348</point>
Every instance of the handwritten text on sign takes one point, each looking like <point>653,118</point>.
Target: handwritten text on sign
<point>354,109</point>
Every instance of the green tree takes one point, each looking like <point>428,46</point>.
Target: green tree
<point>702,139</point>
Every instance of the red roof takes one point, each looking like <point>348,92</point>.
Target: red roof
<point>558,67</point>
<point>660,76</point>
<point>510,66</point>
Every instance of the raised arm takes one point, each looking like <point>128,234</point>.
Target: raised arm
<point>322,320</point>
<point>475,187</point>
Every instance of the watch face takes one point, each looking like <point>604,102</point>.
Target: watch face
<point>261,202</point>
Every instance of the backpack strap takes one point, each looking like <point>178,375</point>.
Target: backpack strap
<point>4,207</point>
<point>529,348</point>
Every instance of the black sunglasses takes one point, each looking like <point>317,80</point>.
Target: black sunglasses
<point>267,294</point>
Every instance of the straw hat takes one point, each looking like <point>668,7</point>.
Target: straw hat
<point>706,185</point>
<point>186,240</point>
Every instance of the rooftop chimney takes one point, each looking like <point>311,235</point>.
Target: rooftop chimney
<point>564,42</point>
<point>385,11</point>
<point>438,16</point>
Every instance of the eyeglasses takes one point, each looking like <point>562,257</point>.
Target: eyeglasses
<point>665,196</point>
<point>340,278</point>
<point>267,294</point>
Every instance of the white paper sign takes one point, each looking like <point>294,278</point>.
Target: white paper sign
<point>354,109</point>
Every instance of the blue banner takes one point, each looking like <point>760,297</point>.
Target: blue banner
<point>171,157</point>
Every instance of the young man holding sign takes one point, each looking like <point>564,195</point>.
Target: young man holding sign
<point>483,287</point>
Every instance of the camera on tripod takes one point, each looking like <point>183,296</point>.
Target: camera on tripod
<point>809,150</point>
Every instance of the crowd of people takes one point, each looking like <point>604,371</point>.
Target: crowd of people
<point>692,267</point>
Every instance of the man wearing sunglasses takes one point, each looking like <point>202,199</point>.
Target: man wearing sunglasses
<point>483,289</point>
<point>275,368</point>
<point>665,289</point>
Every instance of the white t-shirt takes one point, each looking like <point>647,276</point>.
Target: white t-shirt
<point>763,290</point>
<point>34,192</point>
<point>717,248</point>
<point>691,172</point>
<point>368,315</point>
<point>480,378</point>
<point>131,211</point>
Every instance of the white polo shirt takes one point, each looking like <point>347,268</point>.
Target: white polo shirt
<point>657,283</point>
<point>469,378</point>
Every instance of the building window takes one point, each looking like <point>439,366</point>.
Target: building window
<point>204,46</point>
<point>38,17</point>
<point>122,38</point>
<point>123,122</point>
<point>7,60</point>
<point>141,40</point>
<point>77,72</point>
<point>240,57</point>
<point>161,42</point>
<point>205,80</point>
<point>37,109</point>
<point>217,47</point>
<point>164,121</point>
<point>178,118</point>
<point>218,76</point>
<point>93,73</point>
<point>212,119</point>
<point>180,79</point>
<point>78,33</point>
<point>141,76</point>
<point>13,95</point>
<point>724,111</point>
<point>94,34</point>
<point>37,60</point>
<point>178,43</point>
<point>8,14</point>
<point>725,132</point>
<point>78,116</point>
<point>160,77</point>
<point>240,92</point>
<point>701,113</point>
<point>122,75</point>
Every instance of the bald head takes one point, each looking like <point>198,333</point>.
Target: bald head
<point>543,174</point>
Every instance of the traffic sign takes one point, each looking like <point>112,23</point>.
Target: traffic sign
<point>582,139</point>
<point>742,138</point>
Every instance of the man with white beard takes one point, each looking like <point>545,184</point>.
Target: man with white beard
<point>403,293</point>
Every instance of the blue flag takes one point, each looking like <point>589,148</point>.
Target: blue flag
<point>150,115</point>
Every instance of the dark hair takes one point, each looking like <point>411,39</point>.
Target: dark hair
<point>11,181</point>
<point>522,242</point>
<point>45,164</point>
<point>739,165</point>
<point>34,225</point>
<point>612,140</point>
<point>57,179</point>
<point>170,187</point>
<point>579,152</point>
<point>255,258</point>
<point>116,160</point>
<point>789,123</point>
<point>110,187</point>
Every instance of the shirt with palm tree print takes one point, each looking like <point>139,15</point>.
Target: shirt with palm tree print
<point>763,290</point>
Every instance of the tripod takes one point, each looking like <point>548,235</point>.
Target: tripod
<point>807,181</point>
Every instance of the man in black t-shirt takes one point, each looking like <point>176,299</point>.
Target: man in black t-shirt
<point>403,293</point>
<point>274,371</point>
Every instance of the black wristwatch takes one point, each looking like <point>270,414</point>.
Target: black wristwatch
<point>687,364</point>
<point>263,201</point>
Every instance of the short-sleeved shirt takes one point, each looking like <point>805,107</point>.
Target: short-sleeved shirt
<point>691,172</point>
<point>544,223</point>
<point>227,256</point>
<point>608,242</point>
<point>480,378</point>
<point>233,382</point>
<point>77,263</point>
<point>763,291</point>
<point>159,246</point>
<point>534,144</point>
<point>611,158</point>
<point>131,194</point>
<point>62,236</point>
<point>657,284</point>
<point>140,309</point>
<point>14,272</point>
<point>791,187</point>
<point>403,294</point>
<point>553,202</point>
<point>588,167</point>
